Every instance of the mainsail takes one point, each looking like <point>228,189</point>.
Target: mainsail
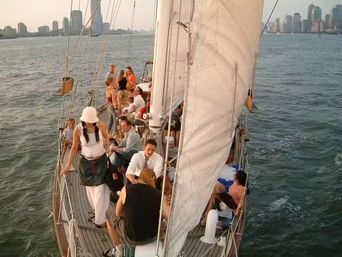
<point>209,49</point>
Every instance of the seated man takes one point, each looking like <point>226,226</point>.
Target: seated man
<point>138,102</point>
<point>137,213</point>
<point>129,145</point>
<point>145,159</point>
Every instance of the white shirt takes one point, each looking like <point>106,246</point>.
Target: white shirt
<point>155,162</point>
<point>138,103</point>
<point>68,133</point>
<point>91,148</point>
<point>109,75</point>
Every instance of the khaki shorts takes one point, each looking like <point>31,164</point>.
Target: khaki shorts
<point>122,98</point>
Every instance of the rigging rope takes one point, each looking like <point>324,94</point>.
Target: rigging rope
<point>269,17</point>
<point>170,114</point>
<point>130,49</point>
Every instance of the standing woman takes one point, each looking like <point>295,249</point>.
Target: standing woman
<point>131,79</point>
<point>93,137</point>
<point>122,91</point>
<point>112,104</point>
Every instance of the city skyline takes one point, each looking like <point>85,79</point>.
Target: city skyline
<point>44,12</point>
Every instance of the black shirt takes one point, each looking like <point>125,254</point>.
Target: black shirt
<point>123,83</point>
<point>141,211</point>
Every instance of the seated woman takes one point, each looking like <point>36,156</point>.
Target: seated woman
<point>137,213</point>
<point>233,198</point>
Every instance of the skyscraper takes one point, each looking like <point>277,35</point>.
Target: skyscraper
<point>316,17</point>
<point>96,21</point>
<point>308,23</point>
<point>316,14</point>
<point>288,24</point>
<point>306,26</point>
<point>336,17</point>
<point>76,22</point>
<point>311,7</point>
<point>297,23</point>
<point>65,26</point>
<point>327,21</point>
<point>277,26</point>
<point>55,26</point>
<point>22,29</point>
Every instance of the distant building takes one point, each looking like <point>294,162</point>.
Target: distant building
<point>76,24</point>
<point>336,18</point>
<point>55,30</point>
<point>316,14</point>
<point>311,7</point>
<point>43,30</point>
<point>327,24</point>
<point>65,26</point>
<point>306,26</point>
<point>277,26</point>
<point>22,29</point>
<point>297,23</point>
<point>96,20</point>
<point>9,31</point>
<point>288,24</point>
<point>55,26</point>
<point>106,28</point>
<point>316,17</point>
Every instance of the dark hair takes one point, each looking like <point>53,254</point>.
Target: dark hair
<point>123,117</point>
<point>129,68</point>
<point>159,184</point>
<point>241,177</point>
<point>85,132</point>
<point>140,90</point>
<point>128,122</point>
<point>151,141</point>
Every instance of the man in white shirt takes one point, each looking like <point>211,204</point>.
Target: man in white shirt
<point>110,73</point>
<point>145,159</point>
<point>138,102</point>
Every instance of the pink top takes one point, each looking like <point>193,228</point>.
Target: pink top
<point>236,191</point>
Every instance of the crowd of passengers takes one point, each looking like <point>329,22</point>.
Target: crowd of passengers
<point>136,169</point>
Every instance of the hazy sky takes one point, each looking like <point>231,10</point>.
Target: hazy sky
<point>36,13</point>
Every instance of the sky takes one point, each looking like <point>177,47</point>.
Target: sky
<point>36,13</point>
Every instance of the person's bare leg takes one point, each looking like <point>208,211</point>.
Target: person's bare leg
<point>114,235</point>
<point>177,138</point>
<point>218,188</point>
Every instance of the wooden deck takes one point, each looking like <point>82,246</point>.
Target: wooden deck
<point>91,241</point>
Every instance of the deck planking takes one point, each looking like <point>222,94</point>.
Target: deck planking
<point>97,240</point>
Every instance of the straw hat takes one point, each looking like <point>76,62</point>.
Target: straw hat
<point>89,115</point>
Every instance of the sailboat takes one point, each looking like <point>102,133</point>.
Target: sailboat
<point>204,57</point>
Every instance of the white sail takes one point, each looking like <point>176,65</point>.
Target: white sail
<point>170,58</point>
<point>224,43</point>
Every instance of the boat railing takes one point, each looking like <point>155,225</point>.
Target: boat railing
<point>64,211</point>
<point>235,230</point>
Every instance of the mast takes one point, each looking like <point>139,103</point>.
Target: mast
<point>160,64</point>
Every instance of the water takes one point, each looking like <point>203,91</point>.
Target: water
<point>295,149</point>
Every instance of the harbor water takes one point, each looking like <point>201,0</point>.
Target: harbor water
<point>295,150</point>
